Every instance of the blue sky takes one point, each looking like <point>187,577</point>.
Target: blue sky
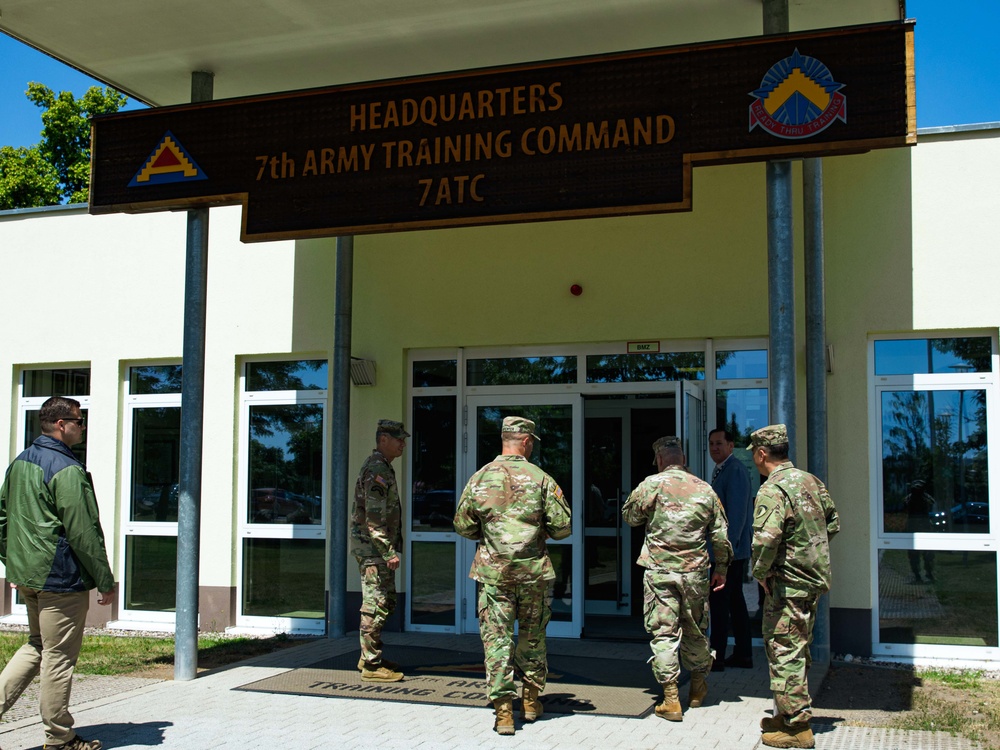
<point>957,67</point>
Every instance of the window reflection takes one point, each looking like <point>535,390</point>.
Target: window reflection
<point>284,577</point>
<point>644,368</point>
<point>156,444</point>
<point>521,370</point>
<point>433,595</point>
<point>954,608</point>
<point>741,411</point>
<point>151,575</point>
<point>433,454</point>
<point>554,425</point>
<point>435,373</point>
<point>293,375</point>
<point>934,462</point>
<point>286,464</point>
<point>154,379</point>
<point>920,356</point>
<point>742,363</point>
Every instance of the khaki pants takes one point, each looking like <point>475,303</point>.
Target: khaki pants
<point>55,624</point>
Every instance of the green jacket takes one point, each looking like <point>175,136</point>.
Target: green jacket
<point>377,516</point>
<point>50,532</point>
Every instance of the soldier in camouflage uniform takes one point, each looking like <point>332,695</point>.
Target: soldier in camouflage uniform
<point>681,513</point>
<point>794,519</point>
<point>377,544</point>
<point>510,507</point>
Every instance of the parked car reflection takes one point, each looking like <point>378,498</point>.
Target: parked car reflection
<point>434,509</point>
<point>276,505</point>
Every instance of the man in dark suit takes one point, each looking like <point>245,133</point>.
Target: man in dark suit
<point>731,483</point>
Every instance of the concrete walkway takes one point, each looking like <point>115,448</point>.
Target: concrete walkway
<point>209,713</point>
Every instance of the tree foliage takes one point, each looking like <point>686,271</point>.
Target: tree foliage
<point>57,169</point>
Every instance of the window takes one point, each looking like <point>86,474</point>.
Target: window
<point>741,400</point>
<point>935,560</point>
<point>282,491</point>
<point>151,453</point>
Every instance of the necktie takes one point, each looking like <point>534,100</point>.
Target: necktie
<point>716,472</point>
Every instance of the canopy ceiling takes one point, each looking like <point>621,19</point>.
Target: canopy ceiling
<point>149,49</point>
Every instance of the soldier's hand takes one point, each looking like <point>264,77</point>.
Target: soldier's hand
<point>763,584</point>
<point>393,562</point>
<point>718,582</point>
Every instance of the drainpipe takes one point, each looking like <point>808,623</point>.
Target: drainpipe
<point>192,426</point>
<point>336,518</point>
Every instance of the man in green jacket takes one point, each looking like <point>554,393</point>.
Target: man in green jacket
<point>793,522</point>
<point>53,546</point>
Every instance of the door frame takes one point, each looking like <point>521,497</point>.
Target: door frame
<point>467,548</point>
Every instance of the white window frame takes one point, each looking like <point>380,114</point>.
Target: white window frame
<point>247,530</point>
<point>951,542</point>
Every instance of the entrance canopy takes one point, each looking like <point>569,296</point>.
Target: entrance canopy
<point>149,50</point>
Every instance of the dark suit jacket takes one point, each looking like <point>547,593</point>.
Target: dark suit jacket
<point>733,488</point>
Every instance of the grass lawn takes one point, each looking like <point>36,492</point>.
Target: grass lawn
<point>145,656</point>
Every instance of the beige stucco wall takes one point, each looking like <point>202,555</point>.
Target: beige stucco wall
<point>910,236</point>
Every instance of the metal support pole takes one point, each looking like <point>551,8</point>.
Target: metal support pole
<point>780,268</point>
<point>781,297</point>
<point>816,404</point>
<point>336,518</point>
<point>192,426</point>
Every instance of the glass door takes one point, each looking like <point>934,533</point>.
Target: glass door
<point>691,426</point>
<point>559,421</point>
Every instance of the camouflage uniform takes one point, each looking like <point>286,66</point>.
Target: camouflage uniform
<point>680,512</point>
<point>376,537</point>
<point>794,519</point>
<point>510,506</point>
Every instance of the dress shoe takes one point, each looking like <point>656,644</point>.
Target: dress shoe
<point>719,665</point>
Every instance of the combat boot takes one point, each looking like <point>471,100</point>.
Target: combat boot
<point>772,723</point>
<point>504,708</point>
<point>670,709</point>
<point>380,674</point>
<point>799,734</point>
<point>390,665</point>
<point>531,707</point>
<point>699,689</point>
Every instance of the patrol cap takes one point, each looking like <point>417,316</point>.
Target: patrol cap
<point>392,429</point>
<point>773,434</point>
<point>668,441</point>
<point>519,426</point>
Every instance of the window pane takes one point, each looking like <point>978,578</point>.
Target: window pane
<point>433,450</point>
<point>433,594</point>
<point>923,356</point>
<point>156,445</point>
<point>741,411</point>
<point>638,368</point>
<point>154,379</point>
<point>151,573</point>
<point>744,363</point>
<point>553,424</point>
<point>522,371</point>
<point>562,587</point>
<point>64,382</point>
<point>284,577</point>
<point>934,462</point>
<point>957,606</point>
<point>33,428</point>
<point>286,464</point>
<point>435,373</point>
<point>296,375</point>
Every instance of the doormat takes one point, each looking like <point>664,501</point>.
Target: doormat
<point>600,687</point>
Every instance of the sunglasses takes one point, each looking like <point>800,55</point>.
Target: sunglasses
<point>79,420</point>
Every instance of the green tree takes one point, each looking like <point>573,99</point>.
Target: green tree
<point>27,179</point>
<point>57,169</point>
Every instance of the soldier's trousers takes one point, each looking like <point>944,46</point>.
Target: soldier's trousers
<point>676,615</point>
<point>378,601</point>
<point>787,628</point>
<point>499,607</point>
